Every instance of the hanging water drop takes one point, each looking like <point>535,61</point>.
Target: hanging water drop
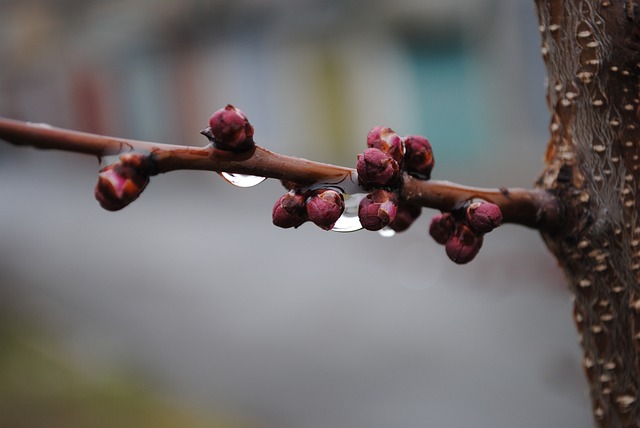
<point>387,232</point>
<point>349,221</point>
<point>242,180</point>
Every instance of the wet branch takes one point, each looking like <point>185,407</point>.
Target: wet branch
<point>529,207</point>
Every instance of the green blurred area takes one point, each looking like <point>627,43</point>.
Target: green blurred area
<point>41,387</point>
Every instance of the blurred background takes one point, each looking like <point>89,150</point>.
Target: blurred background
<point>188,308</point>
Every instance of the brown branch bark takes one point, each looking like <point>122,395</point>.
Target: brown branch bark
<point>529,207</point>
<point>591,49</point>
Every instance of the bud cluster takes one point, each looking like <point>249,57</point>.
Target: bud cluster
<point>388,155</point>
<point>462,231</point>
<point>380,169</point>
<point>323,207</point>
<point>121,182</point>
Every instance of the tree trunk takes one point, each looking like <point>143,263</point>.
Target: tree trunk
<point>591,49</point>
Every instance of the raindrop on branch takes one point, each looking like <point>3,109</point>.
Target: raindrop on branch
<point>242,180</point>
<point>349,221</point>
<point>387,232</point>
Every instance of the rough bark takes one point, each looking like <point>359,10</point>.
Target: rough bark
<point>591,49</point>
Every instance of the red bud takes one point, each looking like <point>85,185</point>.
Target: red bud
<point>376,168</point>
<point>122,182</point>
<point>463,245</point>
<point>405,216</point>
<point>377,209</point>
<point>386,140</point>
<point>483,217</point>
<point>441,228</point>
<point>418,159</point>
<point>229,129</point>
<point>325,207</point>
<point>289,210</point>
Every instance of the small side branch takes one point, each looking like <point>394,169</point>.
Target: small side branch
<point>533,208</point>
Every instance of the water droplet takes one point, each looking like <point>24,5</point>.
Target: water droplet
<point>242,180</point>
<point>349,221</point>
<point>387,232</point>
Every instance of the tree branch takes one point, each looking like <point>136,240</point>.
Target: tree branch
<point>529,207</point>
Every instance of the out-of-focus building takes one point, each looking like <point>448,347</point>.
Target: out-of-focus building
<point>465,73</point>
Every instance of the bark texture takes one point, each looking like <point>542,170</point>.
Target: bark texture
<point>591,49</point>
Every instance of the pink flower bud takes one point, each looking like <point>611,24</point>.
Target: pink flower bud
<point>418,158</point>
<point>325,207</point>
<point>122,182</point>
<point>376,168</point>
<point>463,245</point>
<point>483,217</point>
<point>386,140</point>
<point>289,210</point>
<point>442,227</point>
<point>405,216</point>
<point>377,209</point>
<point>229,129</point>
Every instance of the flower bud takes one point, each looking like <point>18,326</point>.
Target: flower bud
<point>442,227</point>
<point>325,207</point>
<point>376,168</point>
<point>386,140</point>
<point>229,129</point>
<point>122,182</point>
<point>483,217</point>
<point>289,210</point>
<point>405,216</point>
<point>377,209</point>
<point>463,245</point>
<point>418,159</point>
